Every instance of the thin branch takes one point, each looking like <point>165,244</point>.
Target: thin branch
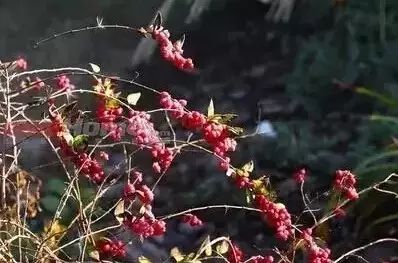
<point>349,253</point>
<point>226,207</point>
<point>78,30</point>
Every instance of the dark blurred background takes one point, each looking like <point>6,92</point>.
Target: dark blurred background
<point>318,79</point>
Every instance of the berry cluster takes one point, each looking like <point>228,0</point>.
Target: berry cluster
<point>235,254</point>
<point>339,212</point>
<point>110,248</point>
<point>316,254</point>
<point>193,120</point>
<point>142,129</point>
<point>175,107</point>
<point>191,220</point>
<point>215,134</point>
<point>38,84</point>
<point>146,227</point>
<point>63,83</point>
<point>163,157</point>
<point>171,52</point>
<point>261,259</point>
<point>276,215</point>
<point>108,116</point>
<point>86,164</point>
<point>108,111</point>
<point>344,182</point>
<point>300,175</point>
<point>21,64</point>
<point>142,192</point>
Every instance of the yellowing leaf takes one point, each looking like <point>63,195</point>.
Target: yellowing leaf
<point>112,103</point>
<point>248,167</point>
<point>119,211</point>
<point>222,247</point>
<point>210,109</point>
<point>206,246</point>
<point>94,255</point>
<point>322,231</point>
<point>143,259</point>
<point>94,67</point>
<point>52,232</point>
<point>176,254</point>
<point>68,138</point>
<point>235,130</point>
<point>133,98</point>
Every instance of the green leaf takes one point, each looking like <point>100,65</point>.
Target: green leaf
<point>80,142</point>
<point>55,185</point>
<point>384,98</point>
<point>133,98</point>
<point>94,67</point>
<point>50,203</point>
<point>391,119</point>
<point>375,158</point>
<point>210,109</point>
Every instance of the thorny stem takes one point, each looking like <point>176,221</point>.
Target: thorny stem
<point>226,207</point>
<point>79,30</point>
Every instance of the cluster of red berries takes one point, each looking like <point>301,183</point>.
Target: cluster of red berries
<point>108,116</point>
<point>191,220</point>
<point>163,157</point>
<point>300,175</point>
<point>142,129</point>
<point>276,215</point>
<point>261,259</point>
<point>175,107</point>
<point>339,212</point>
<point>38,84</point>
<point>235,255</point>
<point>88,165</point>
<point>141,191</point>
<point>193,120</point>
<point>111,248</point>
<point>146,227</point>
<point>344,182</point>
<point>215,134</point>
<point>316,254</point>
<point>63,83</point>
<point>242,182</point>
<point>171,52</point>
<point>21,64</point>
